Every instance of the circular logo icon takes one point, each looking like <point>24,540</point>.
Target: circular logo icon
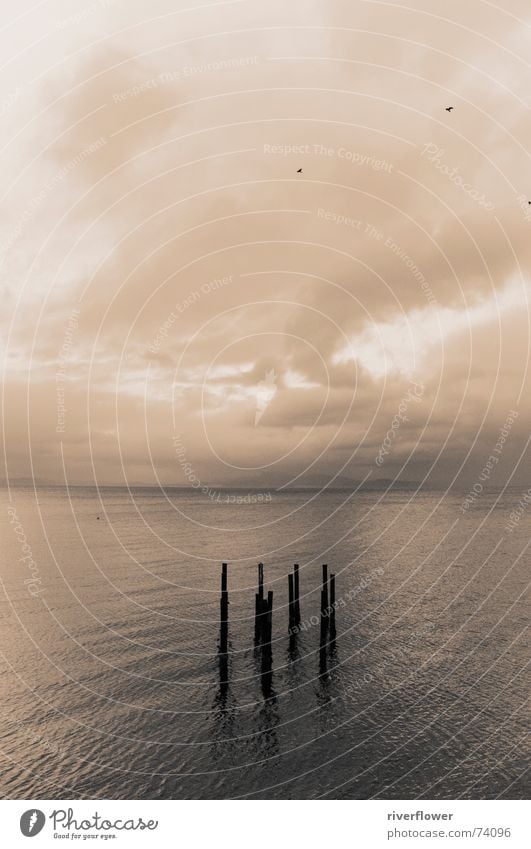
<point>31,822</point>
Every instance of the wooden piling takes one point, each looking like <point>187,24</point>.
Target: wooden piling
<point>324,620</point>
<point>267,633</point>
<point>224,611</point>
<point>291,604</point>
<point>270,617</point>
<point>267,647</point>
<point>296,590</point>
<point>332,607</point>
<point>259,605</point>
<point>263,621</point>
<point>325,585</point>
<point>257,618</point>
<point>324,607</point>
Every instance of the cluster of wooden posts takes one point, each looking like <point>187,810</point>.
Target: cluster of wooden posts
<point>263,620</point>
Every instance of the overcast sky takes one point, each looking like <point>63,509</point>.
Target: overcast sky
<point>180,305</point>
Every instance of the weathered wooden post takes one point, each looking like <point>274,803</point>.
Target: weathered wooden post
<point>324,623</point>
<point>291,604</point>
<point>269,620</point>
<point>224,632</point>
<point>267,647</point>
<point>332,608</point>
<point>325,584</point>
<point>259,604</point>
<point>324,606</point>
<point>224,611</point>
<point>297,607</point>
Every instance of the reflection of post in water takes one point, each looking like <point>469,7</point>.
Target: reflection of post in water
<point>224,631</point>
<point>322,660</point>
<point>223,674</point>
<point>268,718</point>
<point>224,723</point>
<point>293,653</point>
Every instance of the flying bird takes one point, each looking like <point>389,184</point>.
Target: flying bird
<point>299,171</point>
<point>449,108</point>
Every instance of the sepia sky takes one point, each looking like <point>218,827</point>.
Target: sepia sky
<point>181,306</point>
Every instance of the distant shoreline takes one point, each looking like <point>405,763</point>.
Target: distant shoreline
<point>375,486</point>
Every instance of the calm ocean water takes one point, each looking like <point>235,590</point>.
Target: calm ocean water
<point>110,674</point>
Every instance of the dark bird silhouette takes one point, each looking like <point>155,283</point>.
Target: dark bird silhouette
<point>97,517</point>
<point>529,201</point>
<point>449,108</point>
<point>299,171</point>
